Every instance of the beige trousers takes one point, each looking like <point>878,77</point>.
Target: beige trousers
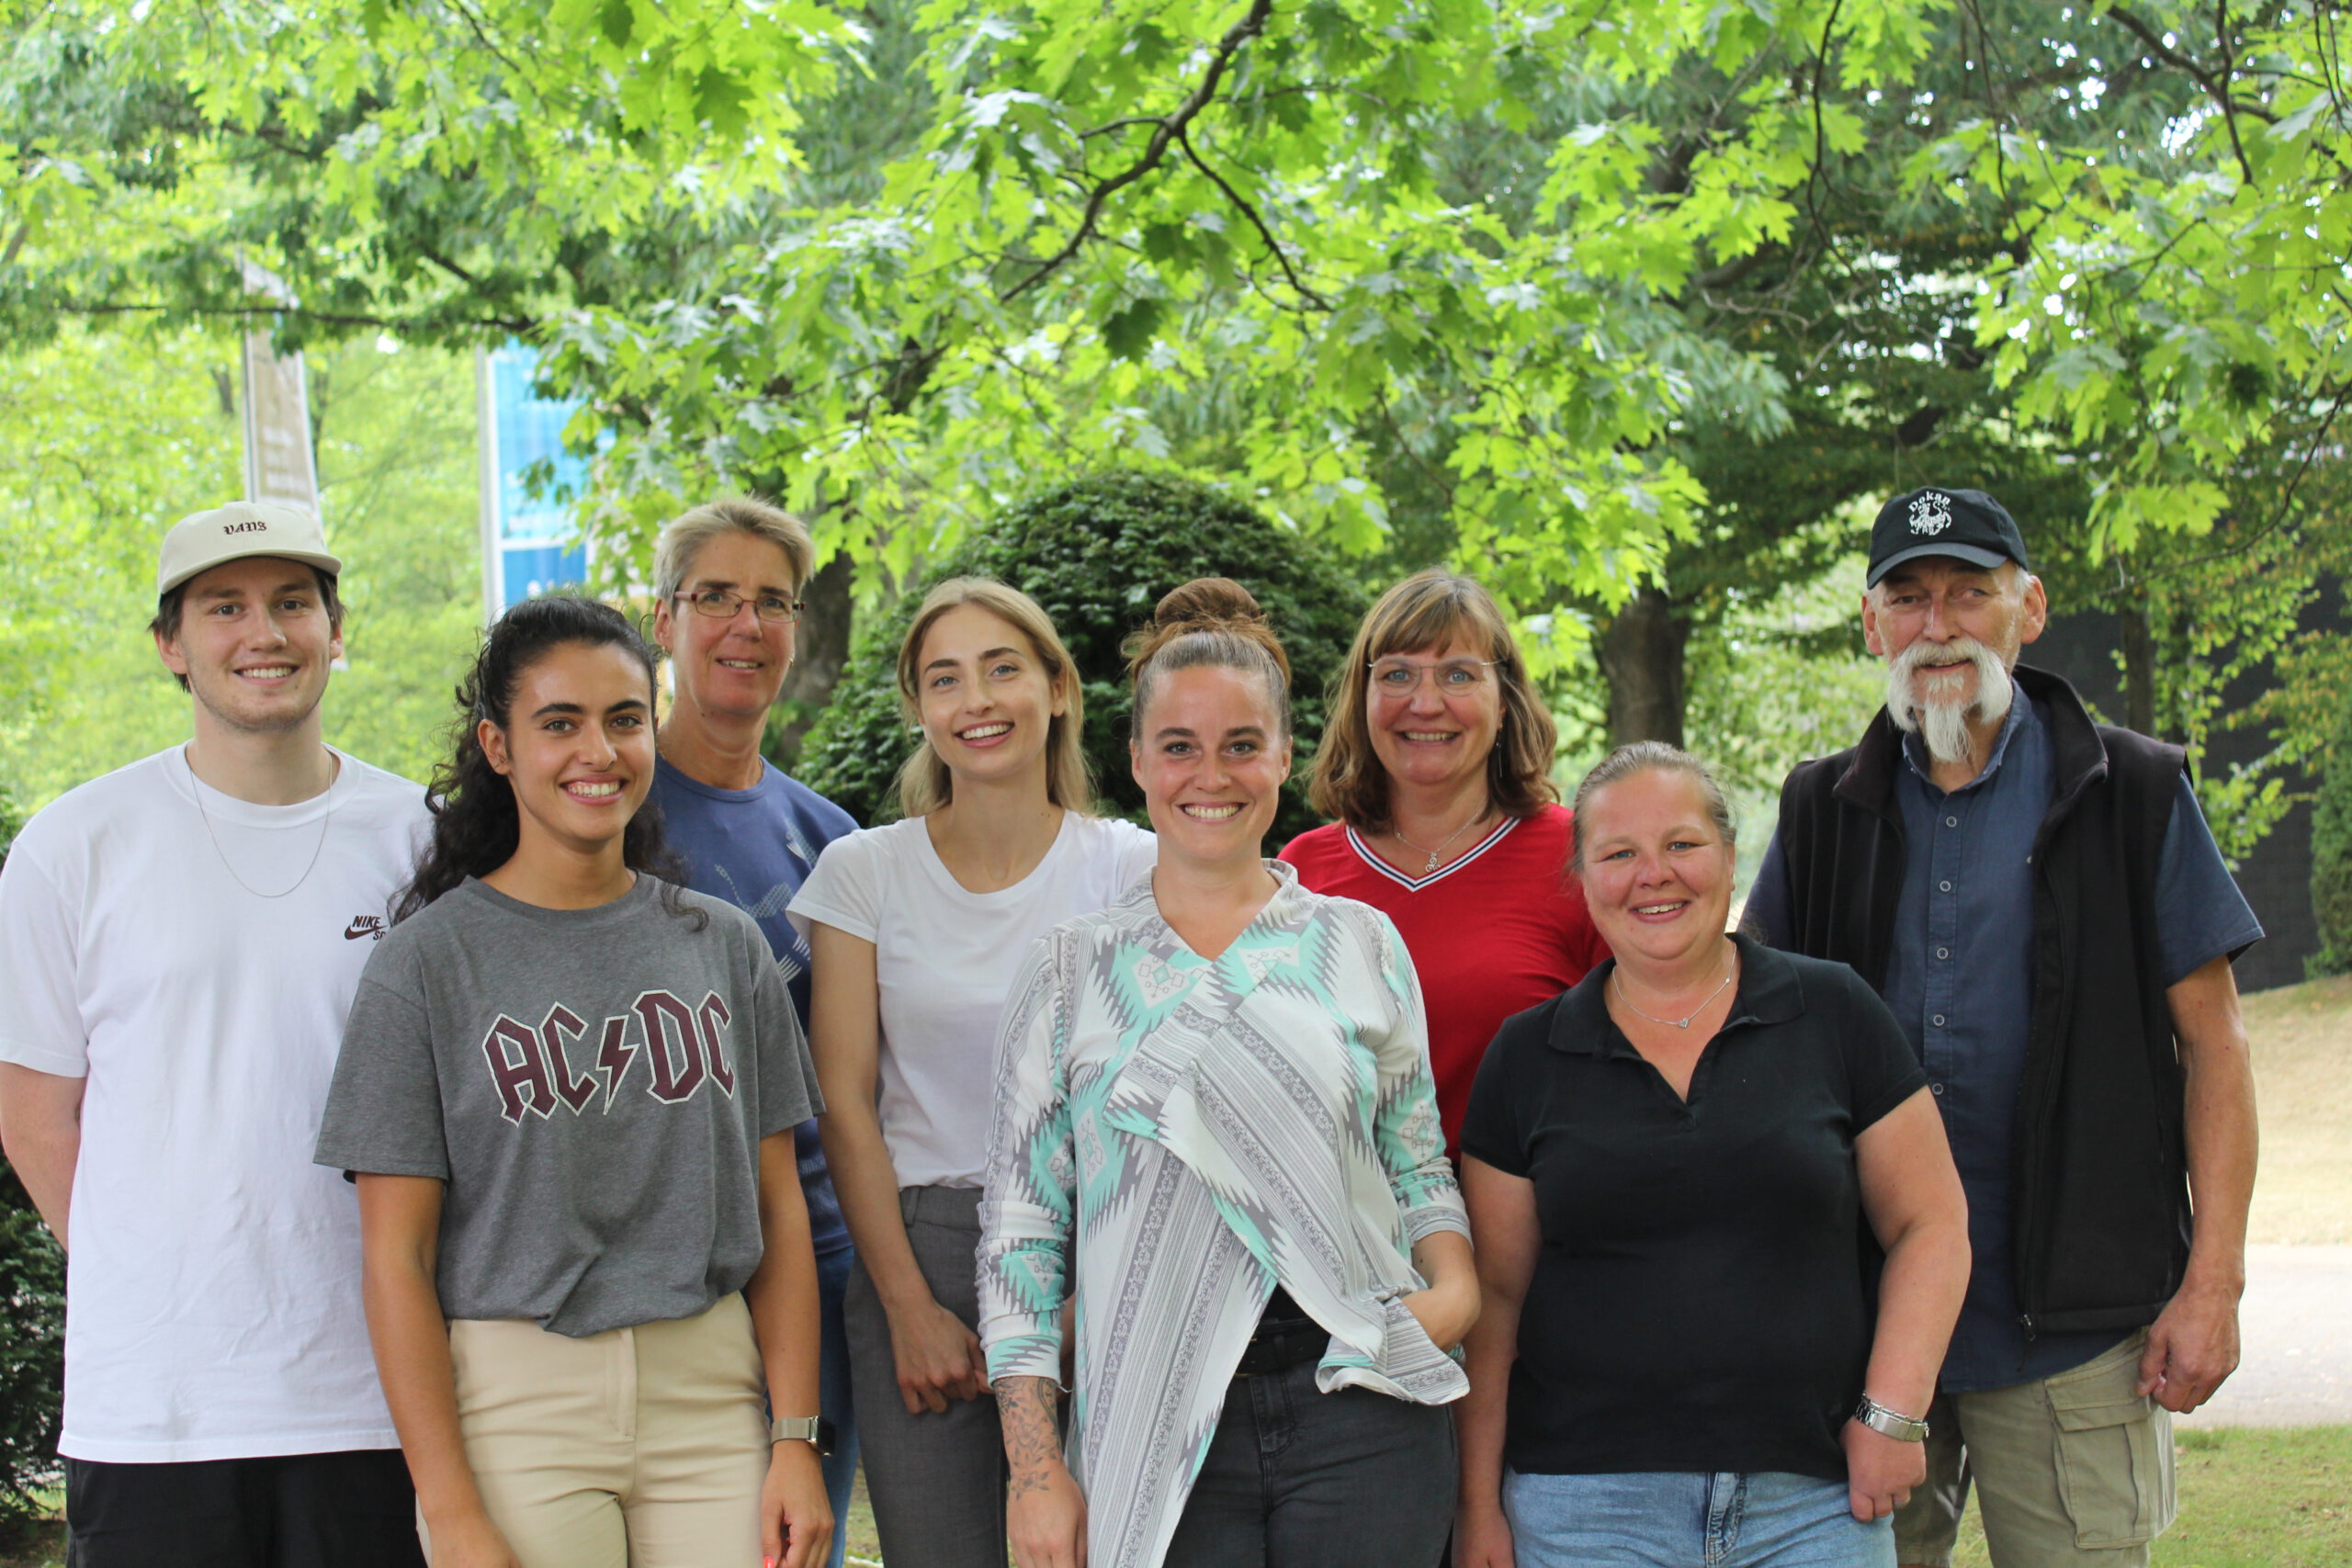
<point>2072,1471</point>
<point>637,1448</point>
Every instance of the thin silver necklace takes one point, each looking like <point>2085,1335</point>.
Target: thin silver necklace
<point>1397,833</point>
<point>1683,1022</point>
<point>327,821</point>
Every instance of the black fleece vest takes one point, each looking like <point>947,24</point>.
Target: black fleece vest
<point>2101,1200</point>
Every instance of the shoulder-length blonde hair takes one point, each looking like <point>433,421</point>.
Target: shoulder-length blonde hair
<point>1427,610</point>
<point>924,782</point>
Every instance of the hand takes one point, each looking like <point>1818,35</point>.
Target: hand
<point>469,1540</point>
<point>1044,1516</point>
<point>796,1517</point>
<point>1481,1537</point>
<point>1879,1470</point>
<point>2192,1348</point>
<point>1445,1312</point>
<point>938,1357</point>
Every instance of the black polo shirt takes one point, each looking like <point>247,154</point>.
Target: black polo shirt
<point>1702,1300</point>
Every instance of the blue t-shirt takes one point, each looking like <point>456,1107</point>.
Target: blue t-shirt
<point>1960,981</point>
<point>753,848</point>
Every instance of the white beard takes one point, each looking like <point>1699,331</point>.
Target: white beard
<point>1936,712</point>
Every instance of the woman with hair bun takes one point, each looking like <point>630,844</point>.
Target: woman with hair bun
<point>1437,765</point>
<point>568,1089</point>
<point>917,928</point>
<point>1216,1132</point>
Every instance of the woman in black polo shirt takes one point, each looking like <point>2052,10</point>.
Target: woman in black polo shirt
<point>1668,1171</point>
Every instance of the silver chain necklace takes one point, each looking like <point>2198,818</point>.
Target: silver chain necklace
<point>1683,1022</point>
<point>327,821</point>
<point>1397,834</point>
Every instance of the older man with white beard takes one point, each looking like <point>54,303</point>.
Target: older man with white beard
<point>2037,897</point>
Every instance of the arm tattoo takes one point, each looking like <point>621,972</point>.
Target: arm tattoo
<point>1032,1445</point>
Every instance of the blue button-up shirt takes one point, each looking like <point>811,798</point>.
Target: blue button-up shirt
<point>1960,981</point>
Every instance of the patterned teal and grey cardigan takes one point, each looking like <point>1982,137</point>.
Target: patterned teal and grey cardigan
<point>1174,1136</point>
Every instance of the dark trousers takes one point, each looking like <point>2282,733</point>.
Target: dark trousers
<point>337,1510</point>
<point>1295,1478</point>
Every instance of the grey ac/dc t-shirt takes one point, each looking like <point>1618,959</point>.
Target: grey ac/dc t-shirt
<point>591,1084</point>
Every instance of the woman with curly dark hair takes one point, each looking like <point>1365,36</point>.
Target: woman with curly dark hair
<point>568,1090</point>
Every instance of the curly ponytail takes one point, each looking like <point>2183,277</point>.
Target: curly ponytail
<point>476,824</point>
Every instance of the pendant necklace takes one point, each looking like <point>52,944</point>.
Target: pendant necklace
<point>1684,1022</point>
<point>1397,834</point>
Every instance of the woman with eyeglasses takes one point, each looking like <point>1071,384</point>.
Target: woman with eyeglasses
<point>728,575</point>
<point>1437,764</point>
<point>919,928</point>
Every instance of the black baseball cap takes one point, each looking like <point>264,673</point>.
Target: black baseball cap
<point>1967,524</point>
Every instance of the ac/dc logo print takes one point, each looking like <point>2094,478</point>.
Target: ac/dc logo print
<point>683,1049</point>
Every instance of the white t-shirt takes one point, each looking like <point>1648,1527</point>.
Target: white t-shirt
<point>944,958</point>
<point>212,1304</point>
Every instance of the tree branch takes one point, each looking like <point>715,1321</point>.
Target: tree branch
<point>482,34</point>
<point>1171,126</point>
<point>1820,136</point>
<point>515,326</point>
<point>1121,124</point>
<point>2216,90</point>
<point>1281,257</point>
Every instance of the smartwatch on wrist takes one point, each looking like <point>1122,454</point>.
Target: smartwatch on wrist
<point>1890,1423</point>
<point>814,1430</point>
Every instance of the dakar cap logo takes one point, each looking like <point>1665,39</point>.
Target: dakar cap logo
<point>1930,513</point>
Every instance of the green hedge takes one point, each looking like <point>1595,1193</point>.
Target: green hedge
<point>2332,854</point>
<point>1098,553</point>
<point>32,1334</point>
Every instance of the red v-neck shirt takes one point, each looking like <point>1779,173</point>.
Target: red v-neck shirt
<point>1492,934</point>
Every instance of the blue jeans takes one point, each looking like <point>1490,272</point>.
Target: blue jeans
<point>832,1393</point>
<point>1673,1519</point>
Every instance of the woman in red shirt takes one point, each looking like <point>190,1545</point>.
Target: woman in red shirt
<point>1437,764</point>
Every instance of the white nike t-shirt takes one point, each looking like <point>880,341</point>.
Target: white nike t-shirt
<point>212,1301</point>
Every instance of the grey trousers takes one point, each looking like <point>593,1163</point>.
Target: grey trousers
<point>937,1481</point>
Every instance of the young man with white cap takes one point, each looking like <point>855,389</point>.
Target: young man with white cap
<point>179,940</point>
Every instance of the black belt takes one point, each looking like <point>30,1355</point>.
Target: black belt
<point>1284,1338</point>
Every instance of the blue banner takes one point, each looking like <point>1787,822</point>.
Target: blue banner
<point>529,543</point>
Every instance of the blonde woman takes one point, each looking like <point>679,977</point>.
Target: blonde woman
<point>917,928</point>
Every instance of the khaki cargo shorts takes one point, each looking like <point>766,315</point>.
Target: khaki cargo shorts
<point>2076,1469</point>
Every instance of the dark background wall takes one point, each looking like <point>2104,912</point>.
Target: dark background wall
<point>2277,877</point>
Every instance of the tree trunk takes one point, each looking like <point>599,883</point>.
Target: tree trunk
<point>821,651</point>
<point>2139,671</point>
<point>1641,657</point>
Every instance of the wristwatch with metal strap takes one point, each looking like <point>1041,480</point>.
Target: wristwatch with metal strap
<point>1890,1423</point>
<point>814,1430</point>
